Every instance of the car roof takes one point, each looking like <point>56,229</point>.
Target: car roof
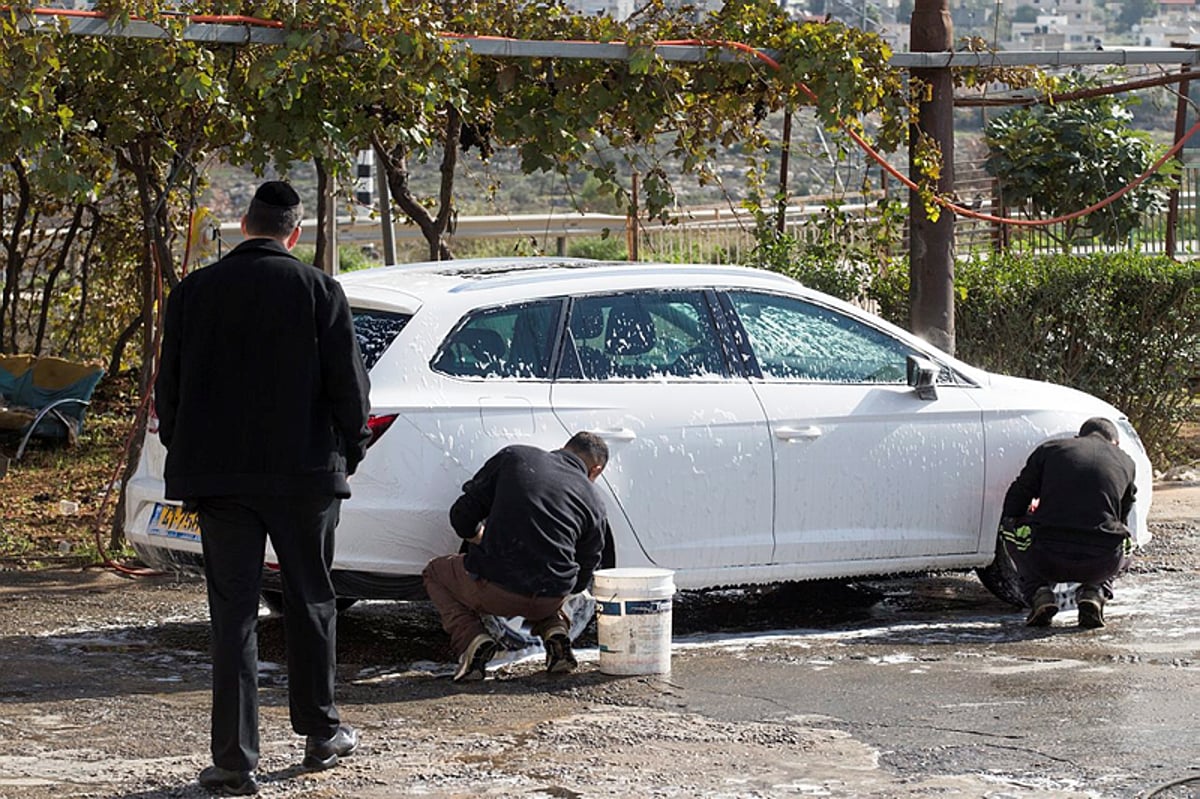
<point>408,286</point>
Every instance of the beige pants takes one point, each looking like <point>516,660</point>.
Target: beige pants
<point>460,600</point>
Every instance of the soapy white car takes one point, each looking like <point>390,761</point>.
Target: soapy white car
<point>759,431</point>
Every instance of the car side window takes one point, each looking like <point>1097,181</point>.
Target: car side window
<point>642,335</point>
<point>797,340</point>
<point>375,331</point>
<point>514,341</point>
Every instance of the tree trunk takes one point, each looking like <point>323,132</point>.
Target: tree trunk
<point>394,162</point>
<point>156,266</point>
<point>64,251</point>
<point>323,210</point>
<point>118,350</point>
<point>14,259</point>
<point>84,273</point>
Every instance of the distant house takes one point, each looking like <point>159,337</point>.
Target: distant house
<point>1176,9</point>
<point>617,9</point>
<point>1074,25</point>
<point>621,9</point>
<point>1165,32</point>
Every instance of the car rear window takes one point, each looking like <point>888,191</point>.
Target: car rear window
<point>375,331</point>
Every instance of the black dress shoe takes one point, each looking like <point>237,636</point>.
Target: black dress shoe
<point>228,782</point>
<point>322,753</point>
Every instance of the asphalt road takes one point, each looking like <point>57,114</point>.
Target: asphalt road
<point>910,687</point>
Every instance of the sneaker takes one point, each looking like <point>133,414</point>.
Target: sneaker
<point>1091,608</point>
<point>472,664</point>
<point>560,658</point>
<point>1042,608</point>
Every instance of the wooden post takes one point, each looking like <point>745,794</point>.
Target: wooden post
<point>784,167</point>
<point>931,251</point>
<point>1181,110</point>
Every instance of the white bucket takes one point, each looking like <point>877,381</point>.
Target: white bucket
<point>633,621</point>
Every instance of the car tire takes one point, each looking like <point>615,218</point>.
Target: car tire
<point>274,602</point>
<point>1000,577</point>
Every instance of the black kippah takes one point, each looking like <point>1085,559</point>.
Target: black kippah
<point>277,194</point>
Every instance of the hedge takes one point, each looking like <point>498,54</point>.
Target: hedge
<point>1122,326</point>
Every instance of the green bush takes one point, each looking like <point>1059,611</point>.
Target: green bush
<point>602,248</point>
<point>1122,326</point>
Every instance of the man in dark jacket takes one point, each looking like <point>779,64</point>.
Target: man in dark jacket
<point>535,529</point>
<point>262,405</point>
<point>1080,490</point>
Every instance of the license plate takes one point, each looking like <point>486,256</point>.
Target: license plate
<point>172,521</point>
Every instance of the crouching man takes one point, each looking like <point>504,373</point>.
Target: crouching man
<point>1077,533</point>
<point>535,528</point>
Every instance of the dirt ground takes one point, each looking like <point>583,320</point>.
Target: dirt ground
<point>104,693</point>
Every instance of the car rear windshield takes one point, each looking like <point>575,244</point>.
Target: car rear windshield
<point>375,331</point>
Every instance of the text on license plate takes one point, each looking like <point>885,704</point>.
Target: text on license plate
<point>172,521</point>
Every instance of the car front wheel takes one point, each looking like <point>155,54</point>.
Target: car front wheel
<point>1000,577</point>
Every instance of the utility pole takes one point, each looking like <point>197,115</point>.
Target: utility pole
<point>931,250</point>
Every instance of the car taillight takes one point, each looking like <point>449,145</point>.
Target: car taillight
<point>378,425</point>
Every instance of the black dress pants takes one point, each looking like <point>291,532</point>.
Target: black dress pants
<point>1068,556</point>
<point>234,531</point>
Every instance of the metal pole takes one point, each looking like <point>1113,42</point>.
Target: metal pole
<point>931,255</point>
<point>784,166</point>
<point>631,226</point>
<point>385,215</point>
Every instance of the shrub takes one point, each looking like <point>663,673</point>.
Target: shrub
<point>1123,326</point>
<point>603,248</point>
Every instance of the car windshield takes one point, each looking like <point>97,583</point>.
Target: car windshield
<point>375,330</point>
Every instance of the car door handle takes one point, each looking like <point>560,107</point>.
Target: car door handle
<point>806,433</point>
<point>619,434</point>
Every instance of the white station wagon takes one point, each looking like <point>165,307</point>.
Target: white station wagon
<point>759,431</point>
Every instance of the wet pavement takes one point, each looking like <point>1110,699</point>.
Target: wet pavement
<point>916,686</point>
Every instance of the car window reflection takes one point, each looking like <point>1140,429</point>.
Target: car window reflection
<point>642,336</point>
<point>797,340</point>
<point>514,341</point>
<point>375,330</point>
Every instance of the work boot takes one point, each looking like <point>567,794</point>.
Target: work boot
<point>472,664</point>
<point>1091,607</point>
<point>1041,608</point>
<point>228,782</point>
<point>321,753</point>
<point>560,658</point>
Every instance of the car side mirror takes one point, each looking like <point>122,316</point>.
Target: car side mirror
<point>922,376</point>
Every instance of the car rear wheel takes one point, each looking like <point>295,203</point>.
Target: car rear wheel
<point>274,601</point>
<point>1000,577</point>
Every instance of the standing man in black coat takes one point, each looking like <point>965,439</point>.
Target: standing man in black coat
<point>535,529</point>
<point>1077,533</point>
<point>262,404</point>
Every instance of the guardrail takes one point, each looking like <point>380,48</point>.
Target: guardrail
<point>726,234</point>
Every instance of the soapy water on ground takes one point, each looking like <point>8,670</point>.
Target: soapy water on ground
<point>104,693</point>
